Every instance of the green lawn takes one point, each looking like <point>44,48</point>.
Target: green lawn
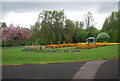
<point>16,56</point>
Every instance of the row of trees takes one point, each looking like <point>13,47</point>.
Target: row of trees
<point>52,27</point>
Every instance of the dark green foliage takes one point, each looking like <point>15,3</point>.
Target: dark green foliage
<point>69,30</point>
<point>3,24</point>
<point>92,32</point>
<point>12,44</point>
<point>81,35</point>
<point>111,25</point>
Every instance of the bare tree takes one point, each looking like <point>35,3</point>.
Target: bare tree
<point>88,20</point>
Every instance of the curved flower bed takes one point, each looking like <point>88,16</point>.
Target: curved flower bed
<point>49,51</point>
<point>78,45</point>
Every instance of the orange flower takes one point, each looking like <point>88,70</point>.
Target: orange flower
<point>60,45</point>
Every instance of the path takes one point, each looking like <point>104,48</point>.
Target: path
<point>108,70</point>
<point>47,71</point>
<point>78,70</point>
<point>88,70</point>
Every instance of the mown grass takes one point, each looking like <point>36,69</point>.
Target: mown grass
<point>17,56</point>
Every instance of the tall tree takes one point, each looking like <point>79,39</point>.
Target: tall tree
<point>51,26</point>
<point>88,20</point>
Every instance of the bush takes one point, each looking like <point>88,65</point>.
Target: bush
<point>103,37</point>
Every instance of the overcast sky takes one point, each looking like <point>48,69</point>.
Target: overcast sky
<point>26,13</point>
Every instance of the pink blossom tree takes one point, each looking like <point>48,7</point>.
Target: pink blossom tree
<point>15,34</point>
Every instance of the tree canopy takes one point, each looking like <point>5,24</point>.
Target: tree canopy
<point>111,25</point>
<point>53,27</point>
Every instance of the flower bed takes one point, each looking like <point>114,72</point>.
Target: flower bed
<point>49,51</point>
<point>78,45</point>
<point>89,46</point>
<point>60,45</point>
<point>108,43</point>
<point>85,46</point>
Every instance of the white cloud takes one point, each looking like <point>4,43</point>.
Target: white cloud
<point>22,19</point>
<point>27,19</point>
<point>78,16</point>
<point>99,19</point>
<point>27,13</point>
